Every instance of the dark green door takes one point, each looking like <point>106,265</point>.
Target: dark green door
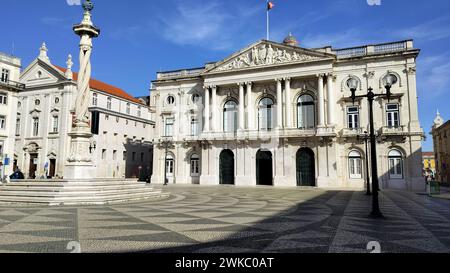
<point>306,170</point>
<point>264,169</point>
<point>227,168</point>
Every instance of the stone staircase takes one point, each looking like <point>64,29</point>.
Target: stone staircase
<point>80,192</point>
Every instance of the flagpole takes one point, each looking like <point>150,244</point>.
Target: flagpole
<point>268,25</point>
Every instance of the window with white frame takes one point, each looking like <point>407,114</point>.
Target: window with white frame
<point>2,122</point>
<point>393,115</point>
<point>95,99</point>
<point>170,100</point>
<point>355,165</point>
<point>55,124</point>
<point>353,117</point>
<point>109,103</point>
<point>18,127</point>
<point>5,75</point>
<point>265,114</point>
<point>128,108</point>
<point>395,164</point>
<point>196,98</point>
<point>36,126</point>
<point>139,113</point>
<point>170,165</point>
<point>103,153</point>
<point>195,165</point>
<point>169,127</point>
<point>194,127</point>
<point>3,99</point>
<point>306,117</point>
<point>230,117</point>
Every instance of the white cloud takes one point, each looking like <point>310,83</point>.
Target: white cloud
<point>433,30</point>
<point>209,24</point>
<point>73,2</point>
<point>433,74</point>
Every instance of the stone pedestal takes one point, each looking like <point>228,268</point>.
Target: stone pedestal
<point>79,164</point>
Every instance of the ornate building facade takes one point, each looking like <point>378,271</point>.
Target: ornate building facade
<point>440,133</point>
<point>43,115</point>
<point>279,114</point>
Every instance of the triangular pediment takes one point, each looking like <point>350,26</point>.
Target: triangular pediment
<point>267,54</point>
<point>41,72</point>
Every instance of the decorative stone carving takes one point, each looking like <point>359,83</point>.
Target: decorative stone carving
<point>263,55</point>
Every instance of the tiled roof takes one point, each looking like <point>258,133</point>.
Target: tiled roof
<point>107,88</point>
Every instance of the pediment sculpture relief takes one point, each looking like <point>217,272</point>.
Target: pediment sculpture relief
<point>264,55</point>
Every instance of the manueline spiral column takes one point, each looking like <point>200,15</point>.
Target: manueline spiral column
<point>80,165</point>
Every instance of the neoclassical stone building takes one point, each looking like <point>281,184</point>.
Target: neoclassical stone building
<point>279,114</point>
<point>42,118</point>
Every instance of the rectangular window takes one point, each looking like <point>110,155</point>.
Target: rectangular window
<point>128,109</point>
<point>3,99</point>
<point>18,127</point>
<point>2,122</point>
<point>169,127</point>
<point>139,112</point>
<point>94,99</point>
<point>104,154</point>
<point>195,169</point>
<point>124,156</point>
<point>109,103</point>
<point>5,75</point>
<point>55,124</point>
<point>393,115</point>
<point>355,168</point>
<point>114,155</point>
<point>396,168</point>
<point>35,127</point>
<point>353,117</point>
<point>194,127</point>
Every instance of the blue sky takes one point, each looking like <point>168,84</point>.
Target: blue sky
<point>141,37</point>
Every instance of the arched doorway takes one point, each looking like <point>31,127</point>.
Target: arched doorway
<point>226,167</point>
<point>264,168</point>
<point>306,168</point>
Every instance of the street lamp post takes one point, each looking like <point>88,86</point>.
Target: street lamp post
<point>166,143</point>
<point>365,138</point>
<point>352,83</point>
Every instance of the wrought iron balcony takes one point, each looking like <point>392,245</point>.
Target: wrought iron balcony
<point>12,85</point>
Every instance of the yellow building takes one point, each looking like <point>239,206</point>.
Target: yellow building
<point>440,132</point>
<point>429,163</point>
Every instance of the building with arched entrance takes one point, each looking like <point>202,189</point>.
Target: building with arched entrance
<point>279,114</point>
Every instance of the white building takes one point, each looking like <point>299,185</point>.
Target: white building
<point>278,114</point>
<point>122,125</point>
<point>9,87</point>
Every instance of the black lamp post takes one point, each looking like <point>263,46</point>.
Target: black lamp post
<point>366,138</point>
<point>352,83</point>
<point>167,142</point>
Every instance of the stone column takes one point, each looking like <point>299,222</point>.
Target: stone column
<point>331,100</point>
<point>414,124</point>
<point>214,123</point>
<point>241,106</point>
<point>321,101</point>
<point>279,105</point>
<point>287,94</point>
<point>250,105</point>
<point>207,110</point>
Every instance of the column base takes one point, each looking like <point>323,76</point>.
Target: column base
<point>80,171</point>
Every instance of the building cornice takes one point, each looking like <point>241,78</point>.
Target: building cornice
<point>121,115</point>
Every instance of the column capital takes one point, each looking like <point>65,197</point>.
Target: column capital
<point>214,87</point>
<point>320,76</point>
<point>249,83</point>
<point>287,79</point>
<point>278,79</point>
<point>332,76</point>
<point>240,84</point>
<point>206,87</point>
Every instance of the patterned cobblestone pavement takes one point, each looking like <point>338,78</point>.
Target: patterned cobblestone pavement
<point>196,219</point>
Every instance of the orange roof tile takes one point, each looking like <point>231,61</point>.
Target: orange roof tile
<point>107,88</point>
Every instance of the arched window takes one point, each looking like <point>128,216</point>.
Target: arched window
<point>196,98</point>
<point>265,114</point>
<point>195,165</point>
<point>35,126</point>
<point>306,117</point>
<point>109,103</point>
<point>355,165</point>
<point>395,164</point>
<point>230,116</point>
<point>94,99</point>
<point>170,100</point>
